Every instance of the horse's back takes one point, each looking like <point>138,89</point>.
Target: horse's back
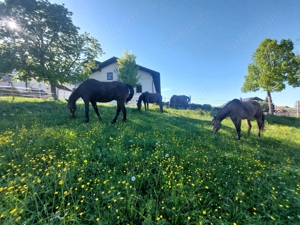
<point>152,97</point>
<point>92,89</point>
<point>251,108</point>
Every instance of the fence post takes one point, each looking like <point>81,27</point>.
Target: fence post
<point>298,108</point>
<point>12,91</point>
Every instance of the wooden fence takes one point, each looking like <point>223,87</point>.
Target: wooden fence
<point>24,92</point>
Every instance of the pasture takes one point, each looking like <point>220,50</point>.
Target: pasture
<point>158,168</point>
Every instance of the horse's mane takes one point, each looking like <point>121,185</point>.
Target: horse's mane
<point>223,113</point>
<point>74,96</point>
<point>141,98</point>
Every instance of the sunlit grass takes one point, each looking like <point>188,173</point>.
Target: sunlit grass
<point>155,169</point>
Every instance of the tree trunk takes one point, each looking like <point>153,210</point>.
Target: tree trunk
<point>53,90</point>
<point>271,108</point>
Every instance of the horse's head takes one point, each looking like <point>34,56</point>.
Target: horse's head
<point>139,101</point>
<point>71,107</point>
<point>216,125</point>
<point>139,104</point>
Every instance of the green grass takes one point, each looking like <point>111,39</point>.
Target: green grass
<point>155,169</point>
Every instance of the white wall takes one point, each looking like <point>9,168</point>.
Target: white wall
<point>146,80</point>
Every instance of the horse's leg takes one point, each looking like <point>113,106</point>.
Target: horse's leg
<point>86,104</point>
<point>161,107</point>
<point>237,124</point>
<point>249,125</point>
<point>124,113</point>
<point>260,125</point>
<point>94,104</point>
<point>260,121</point>
<point>145,105</point>
<point>119,106</point>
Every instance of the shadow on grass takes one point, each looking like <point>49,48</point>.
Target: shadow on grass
<point>283,120</point>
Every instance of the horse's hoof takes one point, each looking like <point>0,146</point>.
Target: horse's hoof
<point>113,122</point>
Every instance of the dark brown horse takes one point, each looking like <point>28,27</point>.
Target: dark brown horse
<point>92,91</point>
<point>179,101</point>
<point>147,98</point>
<point>238,110</point>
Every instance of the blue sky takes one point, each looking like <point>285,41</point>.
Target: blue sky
<point>201,48</point>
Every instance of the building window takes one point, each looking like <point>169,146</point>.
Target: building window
<point>110,76</point>
<point>139,89</point>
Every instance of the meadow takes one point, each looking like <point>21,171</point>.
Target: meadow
<point>156,168</point>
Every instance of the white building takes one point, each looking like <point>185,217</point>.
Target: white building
<point>149,79</point>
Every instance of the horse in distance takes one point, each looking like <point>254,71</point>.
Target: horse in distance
<point>179,101</point>
<point>92,91</point>
<point>238,110</point>
<point>147,98</point>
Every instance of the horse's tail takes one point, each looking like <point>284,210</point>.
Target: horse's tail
<point>131,93</point>
<point>262,121</point>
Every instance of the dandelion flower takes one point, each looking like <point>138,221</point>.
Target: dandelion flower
<point>61,182</point>
<point>13,211</point>
<point>133,178</point>
<point>272,218</point>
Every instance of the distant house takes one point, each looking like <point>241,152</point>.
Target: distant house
<point>149,79</point>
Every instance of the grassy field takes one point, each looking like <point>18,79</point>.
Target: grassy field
<point>155,169</point>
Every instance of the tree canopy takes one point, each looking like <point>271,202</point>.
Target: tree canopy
<point>39,40</point>
<point>128,69</point>
<point>274,65</point>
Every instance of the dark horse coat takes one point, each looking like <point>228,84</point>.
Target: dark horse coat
<point>147,98</point>
<point>179,101</point>
<point>92,91</point>
<point>238,110</point>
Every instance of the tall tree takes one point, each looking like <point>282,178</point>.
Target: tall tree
<point>127,70</point>
<point>40,41</point>
<point>274,65</point>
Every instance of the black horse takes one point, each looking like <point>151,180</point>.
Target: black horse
<point>238,110</point>
<point>179,101</point>
<point>92,91</point>
<point>147,98</point>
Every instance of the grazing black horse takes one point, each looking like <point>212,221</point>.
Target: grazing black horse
<point>147,98</point>
<point>238,110</point>
<point>92,91</point>
<point>179,101</point>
